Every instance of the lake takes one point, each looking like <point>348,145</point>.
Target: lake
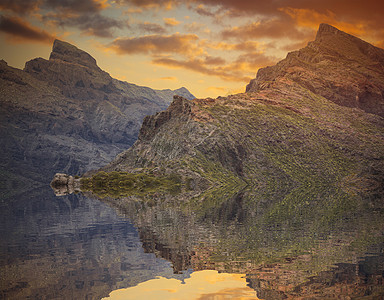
<point>236,246</point>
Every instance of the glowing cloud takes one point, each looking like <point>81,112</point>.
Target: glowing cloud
<point>155,44</point>
<point>171,21</point>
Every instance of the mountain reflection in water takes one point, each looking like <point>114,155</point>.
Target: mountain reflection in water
<point>75,247</point>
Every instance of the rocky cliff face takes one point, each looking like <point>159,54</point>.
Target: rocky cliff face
<point>67,115</point>
<point>337,66</point>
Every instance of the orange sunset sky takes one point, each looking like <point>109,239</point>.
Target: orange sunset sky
<point>211,47</point>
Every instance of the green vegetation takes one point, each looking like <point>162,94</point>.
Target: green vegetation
<point>123,184</point>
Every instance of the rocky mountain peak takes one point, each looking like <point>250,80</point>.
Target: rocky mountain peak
<point>69,53</point>
<point>326,30</point>
<point>348,45</point>
<point>337,66</point>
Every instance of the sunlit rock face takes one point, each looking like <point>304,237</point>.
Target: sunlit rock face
<point>67,115</point>
<point>337,66</point>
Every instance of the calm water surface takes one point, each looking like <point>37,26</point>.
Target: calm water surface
<point>74,247</point>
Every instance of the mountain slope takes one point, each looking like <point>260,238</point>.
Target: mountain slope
<point>65,114</point>
<point>282,134</point>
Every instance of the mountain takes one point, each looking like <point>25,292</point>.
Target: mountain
<point>312,120</point>
<point>338,66</point>
<point>66,114</point>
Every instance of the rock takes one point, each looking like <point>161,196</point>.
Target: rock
<point>69,53</point>
<point>63,184</point>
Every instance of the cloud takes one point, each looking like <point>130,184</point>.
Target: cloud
<point>19,29</point>
<point>311,18</point>
<point>27,6</point>
<point>246,46</point>
<point>148,27</point>
<point>83,6</point>
<point>202,66</point>
<point>171,21</point>
<point>19,6</point>
<point>268,28</point>
<point>210,60</point>
<point>85,15</point>
<point>90,24</point>
<point>202,10</point>
<point>150,4</point>
<point>155,44</point>
<point>365,16</point>
<point>196,28</point>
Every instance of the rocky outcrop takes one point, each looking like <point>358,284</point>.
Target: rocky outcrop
<point>337,66</point>
<point>67,115</point>
<point>63,184</point>
<point>151,124</point>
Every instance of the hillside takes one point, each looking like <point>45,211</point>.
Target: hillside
<point>280,132</point>
<point>65,114</point>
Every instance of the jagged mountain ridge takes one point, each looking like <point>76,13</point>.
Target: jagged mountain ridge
<point>65,114</point>
<point>286,129</point>
<point>336,65</point>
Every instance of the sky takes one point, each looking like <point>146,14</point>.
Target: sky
<point>211,47</point>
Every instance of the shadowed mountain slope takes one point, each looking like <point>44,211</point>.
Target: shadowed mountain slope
<point>65,114</point>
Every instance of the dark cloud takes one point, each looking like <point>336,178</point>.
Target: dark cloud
<point>84,15</point>
<point>148,27</point>
<point>210,60</point>
<point>26,6</point>
<point>91,24</point>
<point>17,28</point>
<point>266,7</point>
<point>368,15</point>
<point>19,6</point>
<point>161,4</point>
<point>83,6</point>
<point>204,11</point>
<point>176,43</point>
